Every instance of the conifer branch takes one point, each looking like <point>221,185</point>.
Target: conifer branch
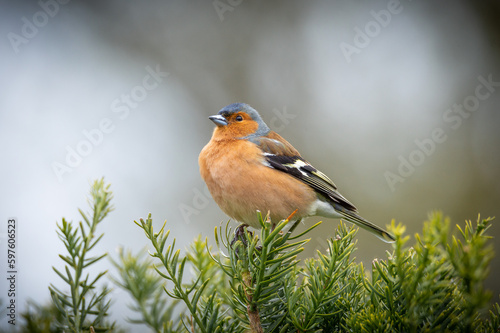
<point>258,284</point>
<point>82,302</point>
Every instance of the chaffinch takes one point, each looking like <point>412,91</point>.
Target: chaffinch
<point>247,167</point>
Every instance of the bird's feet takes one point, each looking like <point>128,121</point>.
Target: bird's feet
<point>239,233</point>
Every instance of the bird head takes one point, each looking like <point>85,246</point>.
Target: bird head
<point>239,121</point>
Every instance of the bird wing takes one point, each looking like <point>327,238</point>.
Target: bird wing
<point>282,156</point>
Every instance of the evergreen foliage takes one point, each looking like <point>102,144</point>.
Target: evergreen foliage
<point>433,286</point>
<point>254,281</point>
<point>83,309</point>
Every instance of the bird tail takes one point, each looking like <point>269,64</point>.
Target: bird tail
<point>367,225</point>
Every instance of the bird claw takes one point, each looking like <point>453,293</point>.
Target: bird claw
<point>239,233</point>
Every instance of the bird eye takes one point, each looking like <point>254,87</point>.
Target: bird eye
<point>239,118</point>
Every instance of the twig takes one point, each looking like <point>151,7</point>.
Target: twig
<point>252,310</point>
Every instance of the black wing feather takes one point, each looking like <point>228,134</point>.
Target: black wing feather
<point>299,168</point>
<point>281,155</point>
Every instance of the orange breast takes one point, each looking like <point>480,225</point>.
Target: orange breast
<point>241,183</point>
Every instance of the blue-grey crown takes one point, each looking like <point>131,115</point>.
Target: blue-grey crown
<point>236,107</point>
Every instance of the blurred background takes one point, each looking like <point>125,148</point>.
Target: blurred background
<point>398,102</point>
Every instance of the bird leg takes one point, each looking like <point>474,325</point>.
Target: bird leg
<point>239,233</point>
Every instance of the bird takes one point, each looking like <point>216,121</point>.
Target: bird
<point>248,168</point>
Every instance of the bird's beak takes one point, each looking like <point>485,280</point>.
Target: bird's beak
<point>218,120</point>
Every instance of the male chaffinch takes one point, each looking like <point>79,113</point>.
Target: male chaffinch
<point>247,167</point>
